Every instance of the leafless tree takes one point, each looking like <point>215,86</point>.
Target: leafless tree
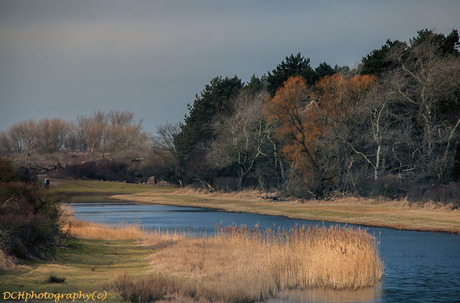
<point>122,118</point>
<point>425,88</point>
<point>241,138</point>
<point>164,148</point>
<point>52,134</point>
<point>125,141</point>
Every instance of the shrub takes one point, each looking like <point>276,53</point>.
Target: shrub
<point>7,171</point>
<point>387,186</point>
<point>444,193</point>
<point>29,218</point>
<point>105,170</point>
<point>148,289</point>
<point>55,279</point>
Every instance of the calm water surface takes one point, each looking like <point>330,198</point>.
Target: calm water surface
<point>419,266</point>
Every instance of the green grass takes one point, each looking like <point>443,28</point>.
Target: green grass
<point>86,266</point>
<point>83,191</point>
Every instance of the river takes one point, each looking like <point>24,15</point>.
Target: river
<point>419,266</point>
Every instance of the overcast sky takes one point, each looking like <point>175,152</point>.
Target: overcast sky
<point>65,58</point>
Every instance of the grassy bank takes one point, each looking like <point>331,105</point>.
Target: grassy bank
<point>90,262</point>
<point>87,262</point>
<point>100,191</point>
<point>240,264</point>
<point>84,266</point>
<point>368,212</point>
<point>236,261</point>
<point>237,264</point>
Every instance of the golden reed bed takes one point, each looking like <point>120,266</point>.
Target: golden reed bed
<point>241,264</point>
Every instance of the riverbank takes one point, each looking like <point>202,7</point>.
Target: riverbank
<point>241,264</point>
<point>237,264</point>
<point>85,266</point>
<point>351,210</point>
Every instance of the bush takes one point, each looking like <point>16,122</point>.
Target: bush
<point>29,218</point>
<point>105,170</point>
<point>444,193</point>
<point>55,279</point>
<point>148,289</point>
<point>85,170</point>
<point>387,186</point>
<point>7,171</point>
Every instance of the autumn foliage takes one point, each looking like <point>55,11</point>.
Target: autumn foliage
<point>307,119</point>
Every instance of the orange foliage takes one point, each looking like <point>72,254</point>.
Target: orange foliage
<point>304,116</point>
<point>338,97</point>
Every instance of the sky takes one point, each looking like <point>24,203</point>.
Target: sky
<point>65,58</point>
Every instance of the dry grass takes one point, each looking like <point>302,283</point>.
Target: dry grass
<point>90,230</point>
<point>240,264</point>
<point>247,194</point>
<point>7,262</point>
<point>97,231</point>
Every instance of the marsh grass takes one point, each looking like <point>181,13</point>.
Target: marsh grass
<point>241,264</point>
<point>96,231</point>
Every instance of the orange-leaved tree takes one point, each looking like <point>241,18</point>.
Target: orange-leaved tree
<point>312,124</point>
<point>289,110</point>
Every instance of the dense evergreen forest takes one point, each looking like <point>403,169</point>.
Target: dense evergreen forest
<point>389,127</point>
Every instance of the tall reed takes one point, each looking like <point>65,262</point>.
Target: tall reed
<point>250,264</point>
<point>242,264</point>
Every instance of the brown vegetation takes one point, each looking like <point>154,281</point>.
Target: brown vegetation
<point>29,216</point>
<point>248,264</point>
<point>243,264</point>
<point>7,262</point>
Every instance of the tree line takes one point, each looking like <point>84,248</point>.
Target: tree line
<point>390,126</point>
<point>115,134</point>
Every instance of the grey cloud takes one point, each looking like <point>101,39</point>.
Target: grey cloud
<point>65,57</point>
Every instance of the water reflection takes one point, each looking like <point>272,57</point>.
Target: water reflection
<point>368,295</point>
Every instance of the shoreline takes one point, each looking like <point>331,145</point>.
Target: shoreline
<point>398,215</point>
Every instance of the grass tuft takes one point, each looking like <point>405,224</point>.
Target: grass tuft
<point>55,279</point>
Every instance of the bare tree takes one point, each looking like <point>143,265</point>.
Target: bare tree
<point>165,148</point>
<point>52,135</point>
<point>425,88</point>
<point>24,136</point>
<point>90,132</point>
<point>241,138</point>
<point>125,141</point>
<point>116,134</point>
<point>11,140</point>
<point>123,118</point>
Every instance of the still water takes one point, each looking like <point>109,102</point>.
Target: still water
<point>419,266</point>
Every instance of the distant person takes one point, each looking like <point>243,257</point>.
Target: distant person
<point>47,183</point>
